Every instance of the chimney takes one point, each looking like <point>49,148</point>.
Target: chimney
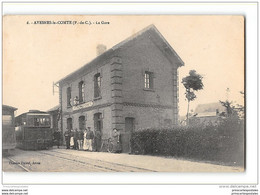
<point>101,49</point>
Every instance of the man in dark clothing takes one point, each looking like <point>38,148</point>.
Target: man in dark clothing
<point>97,140</point>
<point>80,139</point>
<point>56,138</point>
<point>76,135</point>
<point>67,138</point>
<point>116,140</point>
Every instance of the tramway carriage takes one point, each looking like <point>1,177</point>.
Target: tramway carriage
<point>8,133</point>
<point>33,130</point>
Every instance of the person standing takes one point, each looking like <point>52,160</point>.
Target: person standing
<point>116,141</point>
<point>57,138</point>
<point>76,134</point>
<point>67,138</point>
<point>80,139</point>
<point>89,137</point>
<point>97,140</point>
<point>72,139</point>
<point>85,140</point>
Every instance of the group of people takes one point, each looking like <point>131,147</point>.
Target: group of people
<point>83,140</point>
<point>87,140</point>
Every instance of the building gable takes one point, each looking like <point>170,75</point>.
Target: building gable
<point>150,32</point>
<point>156,37</point>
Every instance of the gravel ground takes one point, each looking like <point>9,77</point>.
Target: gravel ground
<point>62,160</point>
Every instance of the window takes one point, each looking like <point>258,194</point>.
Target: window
<point>76,101</point>
<point>97,85</point>
<point>68,97</point>
<point>81,92</point>
<point>39,121</point>
<point>36,122</point>
<point>82,124</point>
<point>69,123</point>
<point>148,80</point>
<point>30,121</point>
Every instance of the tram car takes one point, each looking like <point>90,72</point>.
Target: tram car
<point>33,130</point>
<point>8,128</point>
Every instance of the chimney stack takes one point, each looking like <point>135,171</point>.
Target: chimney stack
<point>101,49</point>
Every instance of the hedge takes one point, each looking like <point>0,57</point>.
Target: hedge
<point>222,143</point>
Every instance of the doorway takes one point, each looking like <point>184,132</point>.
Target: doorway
<point>126,136</point>
<point>82,123</point>
<point>69,123</point>
<point>98,123</point>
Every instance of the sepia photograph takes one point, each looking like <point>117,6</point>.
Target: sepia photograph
<point>123,93</point>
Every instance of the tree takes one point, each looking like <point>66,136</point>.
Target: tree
<point>192,83</point>
<point>231,110</point>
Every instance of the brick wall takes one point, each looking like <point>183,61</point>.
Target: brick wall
<point>101,105</point>
<point>89,119</point>
<point>89,87</point>
<point>141,57</point>
<point>146,117</point>
<point>122,88</point>
<point>146,56</point>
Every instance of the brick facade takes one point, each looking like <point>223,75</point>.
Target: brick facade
<point>125,102</point>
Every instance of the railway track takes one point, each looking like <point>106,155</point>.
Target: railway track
<point>100,165</point>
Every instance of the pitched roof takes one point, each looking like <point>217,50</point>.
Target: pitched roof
<point>152,32</point>
<point>206,114</point>
<point>8,107</point>
<point>32,112</point>
<point>54,108</point>
<point>211,107</point>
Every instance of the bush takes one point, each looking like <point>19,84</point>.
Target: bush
<point>223,143</point>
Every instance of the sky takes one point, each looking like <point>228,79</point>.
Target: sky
<point>36,55</point>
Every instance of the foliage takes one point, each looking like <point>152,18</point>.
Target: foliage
<point>222,143</point>
<point>230,109</point>
<point>192,83</point>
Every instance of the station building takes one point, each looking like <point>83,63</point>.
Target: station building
<point>131,86</point>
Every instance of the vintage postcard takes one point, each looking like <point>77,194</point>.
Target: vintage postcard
<point>139,93</point>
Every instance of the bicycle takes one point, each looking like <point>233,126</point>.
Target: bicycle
<point>107,145</point>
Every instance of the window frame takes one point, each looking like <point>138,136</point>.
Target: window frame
<point>97,86</point>
<point>81,86</point>
<point>69,97</point>
<point>148,80</point>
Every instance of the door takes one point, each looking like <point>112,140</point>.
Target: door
<point>69,123</point>
<point>82,124</point>
<point>126,136</point>
<point>98,123</point>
